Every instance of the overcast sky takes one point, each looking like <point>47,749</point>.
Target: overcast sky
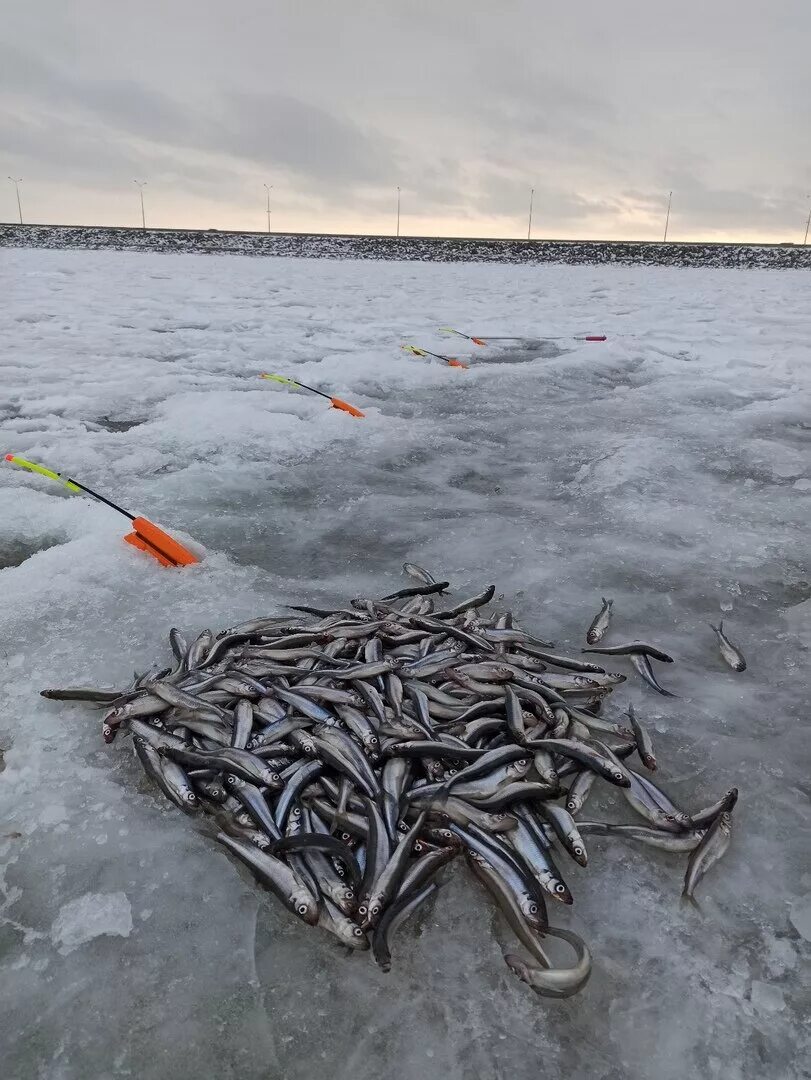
<point>602,105</point>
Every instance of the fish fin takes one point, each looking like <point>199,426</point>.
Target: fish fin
<point>721,625</point>
<point>712,626</point>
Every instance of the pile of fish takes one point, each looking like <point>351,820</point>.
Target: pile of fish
<point>346,757</point>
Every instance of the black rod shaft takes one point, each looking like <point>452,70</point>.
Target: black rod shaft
<point>101,498</point>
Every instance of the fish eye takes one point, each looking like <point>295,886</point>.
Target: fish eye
<point>375,910</point>
<point>275,778</point>
<point>578,850</point>
<point>191,797</point>
<point>357,932</point>
<point>295,812</point>
<point>302,909</point>
<point>345,836</point>
<point>560,888</point>
<point>362,909</point>
<point>348,894</point>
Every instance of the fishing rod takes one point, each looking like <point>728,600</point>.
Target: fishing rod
<point>467,337</point>
<point>451,361</point>
<point>563,337</point>
<point>146,536</point>
<point>335,402</point>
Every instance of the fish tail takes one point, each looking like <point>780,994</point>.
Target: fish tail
<point>688,899</point>
<point>608,603</point>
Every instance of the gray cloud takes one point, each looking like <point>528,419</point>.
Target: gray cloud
<point>65,119</point>
<point>275,130</point>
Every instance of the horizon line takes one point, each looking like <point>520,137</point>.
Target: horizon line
<point>393,236</point>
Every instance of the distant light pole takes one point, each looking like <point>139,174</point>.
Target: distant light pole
<point>268,189</point>
<point>398,211</point>
<point>17,180</point>
<point>805,238</point>
<point>141,185</point>
<point>529,223</point>
<point>667,219</point>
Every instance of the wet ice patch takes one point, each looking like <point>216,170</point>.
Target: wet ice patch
<point>14,551</point>
<point>801,917</point>
<point>90,916</point>
<point>107,423</point>
<point>767,998</point>
<point>517,351</point>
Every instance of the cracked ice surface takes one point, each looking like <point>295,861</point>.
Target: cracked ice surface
<point>668,468</point>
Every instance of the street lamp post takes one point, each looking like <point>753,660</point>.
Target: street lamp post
<point>805,238</point>
<point>667,218</point>
<point>141,185</point>
<point>398,211</point>
<point>529,223</point>
<point>268,189</point>
<point>16,181</point>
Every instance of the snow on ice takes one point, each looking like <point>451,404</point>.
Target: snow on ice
<point>668,468</point>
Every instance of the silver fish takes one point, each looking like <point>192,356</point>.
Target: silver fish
<point>579,790</point>
<point>710,813</point>
<point>674,842</point>
<point>644,745</point>
<point>642,665</point>
<point>599,624</point>
<point>713,845</point>
<point>731,653</point>
<point>552,981</point>
<point>277,876</point>
<point>333,920</point>
<point>418,573</point>
<point>629,648</point>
